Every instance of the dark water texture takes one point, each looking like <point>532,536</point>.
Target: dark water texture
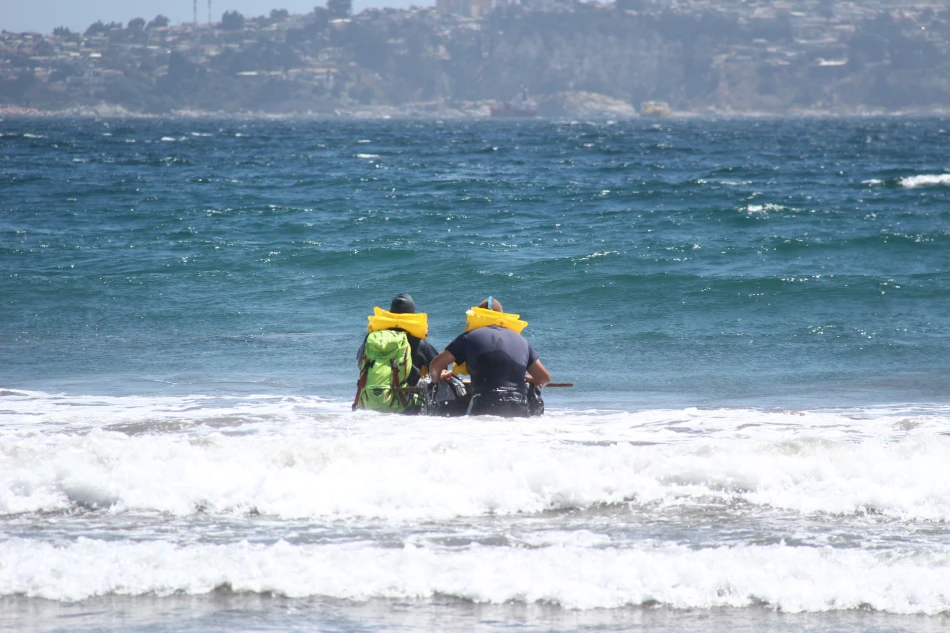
<point>701,261</point>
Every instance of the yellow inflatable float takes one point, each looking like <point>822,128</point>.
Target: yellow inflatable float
<point>416,324</point>
<point>482,317</point>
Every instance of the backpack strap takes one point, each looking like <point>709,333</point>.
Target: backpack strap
<point>361,383</point>
<point>397,388</point>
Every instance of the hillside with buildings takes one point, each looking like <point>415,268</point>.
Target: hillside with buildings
<point>694,56</point>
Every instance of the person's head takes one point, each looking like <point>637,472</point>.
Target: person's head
<point>492,304</point>
<point>402,304</point>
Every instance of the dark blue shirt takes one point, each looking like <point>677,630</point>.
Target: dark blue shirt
<point>496,357</point>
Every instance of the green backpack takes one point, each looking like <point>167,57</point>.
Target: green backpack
<point>387,361</point>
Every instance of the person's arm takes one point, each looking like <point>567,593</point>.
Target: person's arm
<point>439,364</point>
<point>539,375</point>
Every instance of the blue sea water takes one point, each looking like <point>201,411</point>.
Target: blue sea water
<point>688,262</point>
<point>755,314</point>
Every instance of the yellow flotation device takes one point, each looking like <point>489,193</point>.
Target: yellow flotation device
<point>416,324</point>
<point>482,317</point>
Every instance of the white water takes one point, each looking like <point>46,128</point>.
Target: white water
<point>793,579</point>
<point>800,510</point>
<point>925,180</point>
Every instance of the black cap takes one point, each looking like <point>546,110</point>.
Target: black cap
<point>402,304</point>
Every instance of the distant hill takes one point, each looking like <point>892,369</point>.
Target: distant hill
<point>572,57</point>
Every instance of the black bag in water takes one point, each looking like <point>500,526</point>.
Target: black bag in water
<point>535,401</point>
<point>447,398</point>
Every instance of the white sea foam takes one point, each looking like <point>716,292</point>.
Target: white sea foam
<point>763,208</point>
<point>593,256</point>
<point>792,579</point>
<point>307,458</point>
<point>925,180</point>
<point>24,410</point>
<point>360,506</point>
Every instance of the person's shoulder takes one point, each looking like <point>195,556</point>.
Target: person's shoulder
<point>459,340</point>
<point>509,333</point>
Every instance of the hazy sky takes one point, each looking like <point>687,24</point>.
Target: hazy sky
<point>45,15</point>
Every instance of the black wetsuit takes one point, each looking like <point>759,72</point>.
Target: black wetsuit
<point>497,359</point>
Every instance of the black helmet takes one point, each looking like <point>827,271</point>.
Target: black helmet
<point>402,304</point>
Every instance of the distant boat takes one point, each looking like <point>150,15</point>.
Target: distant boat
<point>522,106</point>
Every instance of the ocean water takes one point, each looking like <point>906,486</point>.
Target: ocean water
<point>755,314</point>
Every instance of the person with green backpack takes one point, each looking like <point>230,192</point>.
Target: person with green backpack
<point>394,355</point>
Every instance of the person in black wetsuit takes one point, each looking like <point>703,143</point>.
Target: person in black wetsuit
<point>422,351</point>
<point>497,360</point>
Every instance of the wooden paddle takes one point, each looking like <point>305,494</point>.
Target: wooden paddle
<point>466,382</point>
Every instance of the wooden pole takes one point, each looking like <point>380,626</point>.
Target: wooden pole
<point>550,384</point>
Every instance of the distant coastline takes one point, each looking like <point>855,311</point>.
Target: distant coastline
<point>111,112</point>
<point>461,59</point>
